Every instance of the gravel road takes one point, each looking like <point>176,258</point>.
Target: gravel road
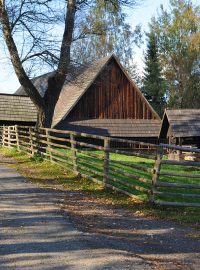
<point>34,234</point>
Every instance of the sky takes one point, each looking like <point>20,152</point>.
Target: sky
<point>139,15</point>
<point>142,15</point>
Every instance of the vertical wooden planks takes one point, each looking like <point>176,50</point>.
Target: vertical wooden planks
<point>112,95</point>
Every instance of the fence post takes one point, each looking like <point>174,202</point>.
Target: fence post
<point>9,137</point>
<point>156,171</point>
<point>31,141</point>
<point>1,133</point>
<point>3,137</point>
<point>48,145</point>
<point>17,138</point>
<point>106,160</point>
<point>74,155</point>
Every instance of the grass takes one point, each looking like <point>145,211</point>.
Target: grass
<point>95,164</point>
<point>86,162</point>
<point>42,172</point>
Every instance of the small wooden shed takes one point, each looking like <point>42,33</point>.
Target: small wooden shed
<point>181,127</point>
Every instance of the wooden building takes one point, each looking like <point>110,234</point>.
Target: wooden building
<point>181,127</point>
<point>17,110</point>
<point>102,99</point>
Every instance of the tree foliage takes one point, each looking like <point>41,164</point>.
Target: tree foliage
<point>178,33</point>
<point>153,83</point>
<point>104,30</point>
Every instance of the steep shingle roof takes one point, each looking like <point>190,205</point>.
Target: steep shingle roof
<point>184,123</point>
<point>115,127</point>
<point>17,108</point>
<point>74,89</point>
<point>75,86</point>
<point>40,82</point>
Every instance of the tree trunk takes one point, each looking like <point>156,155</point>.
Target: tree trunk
<point>56,82</point>
<point>45,106</point>
<point>40,119</point>
<point>45,117</point>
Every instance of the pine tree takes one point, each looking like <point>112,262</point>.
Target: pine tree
<point>153,83</point>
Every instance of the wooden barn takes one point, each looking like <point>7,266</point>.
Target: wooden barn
<point>17,110</point>
<point>102,99</point>
<point>181,127</point>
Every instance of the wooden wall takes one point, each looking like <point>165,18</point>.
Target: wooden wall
<point>112,96</point>
<point>20,123</point>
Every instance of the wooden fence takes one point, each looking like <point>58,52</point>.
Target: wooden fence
<point>146,174</point>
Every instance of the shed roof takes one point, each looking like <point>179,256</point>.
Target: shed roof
<point>40,82</point>
<point>17,108</point>
<point>183,122</point>
<point>115,127</point>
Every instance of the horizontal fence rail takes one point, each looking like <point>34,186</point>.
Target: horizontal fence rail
<point>142,171</point>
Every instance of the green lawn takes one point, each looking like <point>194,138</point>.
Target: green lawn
<point>91,163</point>
<point>39,170</point>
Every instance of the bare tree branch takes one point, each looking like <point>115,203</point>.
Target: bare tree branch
<point>47,53</point>
<point>19,70</point>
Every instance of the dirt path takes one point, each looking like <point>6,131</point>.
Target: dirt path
<point>46,229</point>
<point>167,245</point>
